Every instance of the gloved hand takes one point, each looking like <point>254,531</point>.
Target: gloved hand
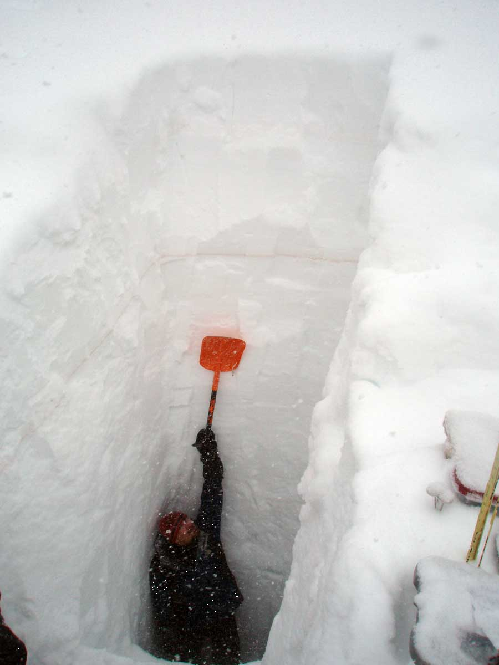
<point>205,441</point>
<point>212,464</point>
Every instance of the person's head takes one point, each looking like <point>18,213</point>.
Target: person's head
<point>178,528</point>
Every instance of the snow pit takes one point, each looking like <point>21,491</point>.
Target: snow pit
<point>229,197</point>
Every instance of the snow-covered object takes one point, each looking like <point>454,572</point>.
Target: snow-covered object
<point>441,493</point>
<point>472,441</point>
<point>458,613</point>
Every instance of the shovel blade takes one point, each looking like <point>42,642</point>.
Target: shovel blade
<point>221,354</point>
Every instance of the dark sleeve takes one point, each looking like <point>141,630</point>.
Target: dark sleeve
<point>209,517</point>
<point>12,649</point>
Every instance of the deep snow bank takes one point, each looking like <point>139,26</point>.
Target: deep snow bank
<point>421,338</point>
<point>229,197</point>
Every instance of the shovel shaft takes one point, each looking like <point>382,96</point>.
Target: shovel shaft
<point>214,389</point>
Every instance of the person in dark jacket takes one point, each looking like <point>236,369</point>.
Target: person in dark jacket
<point>194,594</point>
<point>12,649</point>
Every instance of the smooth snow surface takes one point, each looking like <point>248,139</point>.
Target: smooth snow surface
<point>172,170</point>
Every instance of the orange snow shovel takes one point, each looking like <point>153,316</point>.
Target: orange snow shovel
<point>219,354</point>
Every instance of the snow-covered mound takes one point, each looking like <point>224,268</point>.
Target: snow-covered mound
<point>471,444</point>
<point>458,613</point>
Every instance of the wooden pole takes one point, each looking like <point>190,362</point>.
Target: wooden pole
<point>485,509</point>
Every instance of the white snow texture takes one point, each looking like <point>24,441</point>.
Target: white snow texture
<point>319,179</point>
<point>457,613</point>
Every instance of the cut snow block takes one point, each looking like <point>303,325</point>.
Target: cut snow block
<point>471,444</point>
<point>457,614</point>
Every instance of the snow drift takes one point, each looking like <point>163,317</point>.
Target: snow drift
<point>420,338</point>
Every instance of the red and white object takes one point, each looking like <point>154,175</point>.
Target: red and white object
<point>472,440</point>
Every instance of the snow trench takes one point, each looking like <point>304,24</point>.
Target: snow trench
<point>225,197</point>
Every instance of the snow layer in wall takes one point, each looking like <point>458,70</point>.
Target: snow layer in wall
<point>229,197</point>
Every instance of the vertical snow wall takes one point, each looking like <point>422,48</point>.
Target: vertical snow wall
<point>421,337</point>
<point>228,198</point>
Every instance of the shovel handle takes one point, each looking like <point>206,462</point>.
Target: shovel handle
<point>214,389</point>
